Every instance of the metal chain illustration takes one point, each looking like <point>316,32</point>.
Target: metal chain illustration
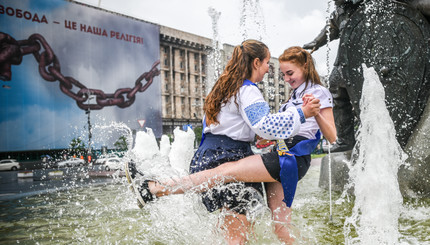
<point>12,51</point>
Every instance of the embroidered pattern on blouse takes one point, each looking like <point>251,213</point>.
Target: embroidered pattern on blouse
<point>256,111</point>
<point>279,126</point>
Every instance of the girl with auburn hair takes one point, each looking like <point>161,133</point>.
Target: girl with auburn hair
<point>235,111</point>
<point>297,68</point>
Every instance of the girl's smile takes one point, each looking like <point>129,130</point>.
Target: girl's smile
<point>292,74</point>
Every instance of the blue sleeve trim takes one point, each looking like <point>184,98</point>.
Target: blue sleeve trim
<point>302,115</point>
<point>255,112</point>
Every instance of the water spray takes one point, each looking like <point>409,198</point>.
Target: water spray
<point>329,182</point>
<point>214,66</point>
<point>328,84</point>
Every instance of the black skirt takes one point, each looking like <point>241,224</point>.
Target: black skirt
<point>214,151</point>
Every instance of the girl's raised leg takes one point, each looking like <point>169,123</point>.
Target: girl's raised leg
<point>249,169</point>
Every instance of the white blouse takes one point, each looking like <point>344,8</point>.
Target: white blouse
<point>253,117</point>
<point>310,127</point>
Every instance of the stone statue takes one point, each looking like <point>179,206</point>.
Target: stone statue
<point>351,18</point>
<point>394,38</point>
<point>343,113</point>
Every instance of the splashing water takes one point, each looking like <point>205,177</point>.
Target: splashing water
<point>179,219</point>
<point>119,128</point>
<point>182,150</point>
<point>328,11</point>
<point>252,21</point>
<point>145,146</point>
<point>252,26</point>
<point>374,10</point>
<point>183,214</point>
<point>214,57</point>
<point>88,209</point>
<point>166,159</point>
<point>104,211</point>
<point>373,174</point>
<point>165,145</point>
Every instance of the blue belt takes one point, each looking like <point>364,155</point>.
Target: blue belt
<point>289,171</point>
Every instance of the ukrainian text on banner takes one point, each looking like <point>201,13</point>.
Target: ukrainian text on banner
<point>62,60</point>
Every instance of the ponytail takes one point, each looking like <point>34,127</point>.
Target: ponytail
<point>238,68</point>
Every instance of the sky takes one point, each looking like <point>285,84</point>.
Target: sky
<point>286,22</point>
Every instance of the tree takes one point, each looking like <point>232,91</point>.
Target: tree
<point>121,143</point>
<point>77,146</point>
<point>198,133</point>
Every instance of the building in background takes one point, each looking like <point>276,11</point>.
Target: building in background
<point>60,117</point>
<point>183,63</point>
<point>183,60</point>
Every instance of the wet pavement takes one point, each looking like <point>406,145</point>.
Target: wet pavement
<point>39,181</point>
<point>22,183</point>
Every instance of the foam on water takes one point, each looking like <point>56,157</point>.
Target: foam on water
<point>165,145</point>
<point>146,146</point>
<point>182,150</point>
<point>171,159</point>
<point>373,174</point>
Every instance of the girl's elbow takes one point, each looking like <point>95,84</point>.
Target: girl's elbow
<point>332,138</point>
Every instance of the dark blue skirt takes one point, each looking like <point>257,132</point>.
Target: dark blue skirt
<point>215,150</point>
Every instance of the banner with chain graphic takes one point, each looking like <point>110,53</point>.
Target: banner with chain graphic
<point>61,60</point>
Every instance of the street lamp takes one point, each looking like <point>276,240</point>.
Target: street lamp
<point>88,112</point>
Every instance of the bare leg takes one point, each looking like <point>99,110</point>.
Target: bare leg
<point>249,169</point>
<point>281,214</point>
<point>235,228</point>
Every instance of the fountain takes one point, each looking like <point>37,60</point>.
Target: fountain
<point>392,37</point>
<point>378,157</point>
<point>88,210</point>
<point>214,57</point>
<point>106,212</point>
<point>252,24</point>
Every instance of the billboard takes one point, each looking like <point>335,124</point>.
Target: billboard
<point>62,61</point>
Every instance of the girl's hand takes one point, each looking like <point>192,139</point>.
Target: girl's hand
<point>306,98</point>
<point>311,106</point>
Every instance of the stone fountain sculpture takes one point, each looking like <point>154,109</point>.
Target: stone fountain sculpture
<point>394,38</point>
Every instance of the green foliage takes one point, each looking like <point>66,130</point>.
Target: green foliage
<point>318,155</point>
<point>77,146</point>
<point>198,133</point>
<point>121,143</point>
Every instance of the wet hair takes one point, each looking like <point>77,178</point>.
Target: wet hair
<point>302,58</point>
<point>238,68</point>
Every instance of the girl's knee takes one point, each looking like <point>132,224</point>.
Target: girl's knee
<point>282,232</point>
